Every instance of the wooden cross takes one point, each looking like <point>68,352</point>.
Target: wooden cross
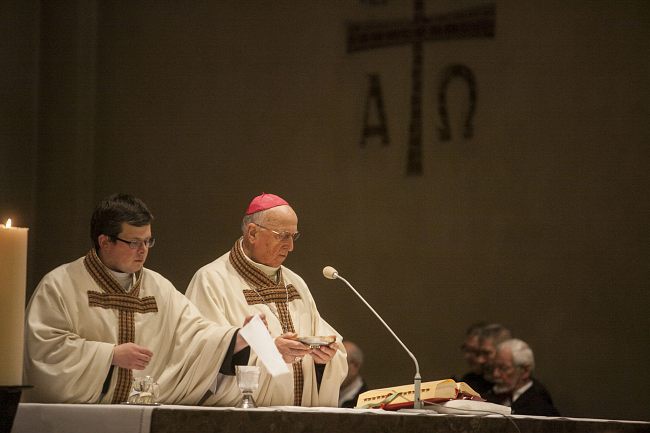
<point>477,22</point>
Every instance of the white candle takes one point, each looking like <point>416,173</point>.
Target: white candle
<point>13,275</point>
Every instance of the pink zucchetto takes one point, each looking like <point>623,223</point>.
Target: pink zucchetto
<point>264,202</point>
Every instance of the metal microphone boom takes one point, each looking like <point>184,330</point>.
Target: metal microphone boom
<point>331,273</point>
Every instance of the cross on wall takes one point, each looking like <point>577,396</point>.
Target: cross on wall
<point>476,22</point>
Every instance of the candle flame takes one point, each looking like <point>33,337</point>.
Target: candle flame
<point>8,225</point>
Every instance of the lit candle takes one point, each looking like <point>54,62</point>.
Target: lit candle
<point>13,275</point>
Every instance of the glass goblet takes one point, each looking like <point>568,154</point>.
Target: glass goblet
<point>248,377</point>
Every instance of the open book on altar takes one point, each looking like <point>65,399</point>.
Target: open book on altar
<point>401,397</point>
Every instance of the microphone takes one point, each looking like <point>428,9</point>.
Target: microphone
<point>331,274</point>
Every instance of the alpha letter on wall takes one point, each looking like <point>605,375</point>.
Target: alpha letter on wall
<point>374,104</point>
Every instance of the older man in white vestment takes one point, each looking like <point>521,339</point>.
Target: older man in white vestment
<point>250,278</point>
<point>92,322</point>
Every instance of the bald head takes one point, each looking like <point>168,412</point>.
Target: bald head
<point>355,360</point>
<point>268,235</point>
<point>354,352</point>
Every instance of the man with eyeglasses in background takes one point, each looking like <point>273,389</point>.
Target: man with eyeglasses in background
<point>250,279</point>
<point>514,384</point>
<point>490,337</point>
<point>471,350</point>
<point>92,322</point>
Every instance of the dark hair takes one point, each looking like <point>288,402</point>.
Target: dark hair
<point>475,328</point>
<point>496,332</point>
<point>111,212</point>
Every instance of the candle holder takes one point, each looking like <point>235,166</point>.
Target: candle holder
<point>9,400</point>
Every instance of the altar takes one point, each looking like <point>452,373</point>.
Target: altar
<point>76,418</point>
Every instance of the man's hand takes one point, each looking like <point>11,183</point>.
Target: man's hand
<point>262,316</point>
<point>291,349</point>
<point>240,343</point>
<point>131,356</point>
<point>324,354</point>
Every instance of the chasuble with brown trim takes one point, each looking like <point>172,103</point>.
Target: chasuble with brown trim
<point>79,312</point>
<point>233,287</point>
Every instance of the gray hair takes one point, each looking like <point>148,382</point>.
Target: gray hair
<point>255,218</point>
<point>522,354</point>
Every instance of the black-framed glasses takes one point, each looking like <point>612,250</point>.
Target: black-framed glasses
<point>135,244</point>
<point>281,236</point>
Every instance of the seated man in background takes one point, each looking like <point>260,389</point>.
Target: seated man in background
<point>91,322</point>
<point>471,351</point>
<point>353,385</point>
<point>249,279</point>
<point>514,385</point>
<point>490,337</point>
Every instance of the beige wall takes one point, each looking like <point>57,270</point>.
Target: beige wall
<point>539,221</point>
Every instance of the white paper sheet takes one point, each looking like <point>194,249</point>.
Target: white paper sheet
<point>260,341</point>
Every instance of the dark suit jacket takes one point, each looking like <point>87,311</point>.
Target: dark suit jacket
<point>535,401</point>
<point>478,383</point>
<point>353,401</point>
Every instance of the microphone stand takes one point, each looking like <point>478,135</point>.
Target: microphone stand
<point>417,380</point>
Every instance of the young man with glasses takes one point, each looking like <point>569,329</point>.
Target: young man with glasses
<point>251,279</point>
<point>93,323</point>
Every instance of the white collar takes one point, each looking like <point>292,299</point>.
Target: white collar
<point>351,390</point>
<point>123,278</point>
<point>269,271</point>
<point>518,392</point>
